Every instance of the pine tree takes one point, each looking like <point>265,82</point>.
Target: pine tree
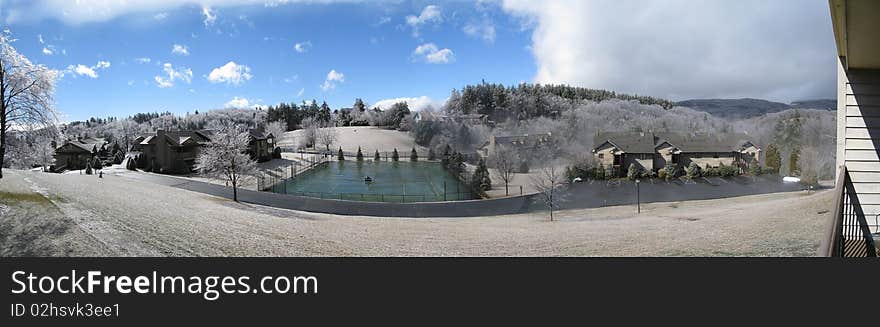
<point>772,159</point>
<point>600,172</point>
<point>360,155</point>
<point>376,157</point>
<point>794,162</point>
<point>480,180</point>
<point>413,156</point>
<point>431,155</point>
<point>633,172</point>
<point>340,155</point>
<point>394,156</point>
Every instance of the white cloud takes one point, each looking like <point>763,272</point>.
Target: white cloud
<point>82,70</point>
<point>431,14</point>
<point>130,83</point>
<point>40,38</point>
<point>333,78</point>
<point>302,47</point>
<point>47,51</point>
<point>430,53</point>
<point>415,104</point>
<point>230,73</point>
<point>160,16</point>
<point>142,60</point>
<point>179,49</point>
<point>238,103</point>
<point>483,30</point>
<point>300,93</point>
<point>183,74</point>
<point>781,50</point>
<point>210,16</point>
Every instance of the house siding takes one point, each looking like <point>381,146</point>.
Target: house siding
<point>858,131</point>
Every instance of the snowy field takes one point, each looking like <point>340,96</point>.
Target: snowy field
<point>368,138</point>
<point>80,215</point>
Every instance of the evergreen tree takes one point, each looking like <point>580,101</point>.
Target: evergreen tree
<point>600,172</point>
<point>340,155</point>
<point>376,157</point>
<point>447,155</point>
<point>394,156</point>
<point>480,180</point>
<point>413,156</point>
<point>794,162</point>
<point>772,159</point>
<point>360,155</point>
<point>431,155</point>
<point>692,171</point>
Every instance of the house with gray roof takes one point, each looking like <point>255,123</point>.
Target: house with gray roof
<point>655,150</point>
<point>175,152</point>
<point>77,154</point>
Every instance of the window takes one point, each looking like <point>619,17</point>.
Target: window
<point>601,156</point>
<point>715,156</point>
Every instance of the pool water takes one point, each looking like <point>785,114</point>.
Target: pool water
<point>401,182</point>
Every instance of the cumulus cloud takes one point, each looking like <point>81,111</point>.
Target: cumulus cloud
<point>431,14</point>
<point>179,49</point>
<point>181,74</point>
<point>160,16</point>
<point>88,71</point>
<point>333,78</point>
<point>238,103</point>
<point>230,73</point>
<point>82,70</point>
<point>415,104</point>
<point>302,47</point>
<point>47,51</point>
<point>142,60</point>
<point>781,50</point>
<point>430,53</point>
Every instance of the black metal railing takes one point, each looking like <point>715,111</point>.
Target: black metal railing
<point>848,234</point>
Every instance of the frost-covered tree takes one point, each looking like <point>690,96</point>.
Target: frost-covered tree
<point>548,182</point>
<point>327,136</point>
<point>504,160</point>
<point>26,93</point>
<point>225,156</point>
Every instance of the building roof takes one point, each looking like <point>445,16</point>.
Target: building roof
<point>636,142</point>
<point>259,134</point>
<point>86,144</point>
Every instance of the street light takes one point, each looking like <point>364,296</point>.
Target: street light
<point>638,200</point>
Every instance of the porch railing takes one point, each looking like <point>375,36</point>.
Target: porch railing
<point>848,233</point>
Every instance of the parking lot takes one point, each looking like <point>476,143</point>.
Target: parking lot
<point>599,193</point>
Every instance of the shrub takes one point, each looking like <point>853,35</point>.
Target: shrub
<point>661,174</point>
<point>670,171</point>
<point>276,153</point>
<point>88,168</point>
<point>633,172</point>
<point>728,171</point>
<point>599,173</point>
<point>524,167</point>
<point>692,171</point>
<point>755,170</point>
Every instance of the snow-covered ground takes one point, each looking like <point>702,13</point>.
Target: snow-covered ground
<point>368,138</point>
<point>53,214</point>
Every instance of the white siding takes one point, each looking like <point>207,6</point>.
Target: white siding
<point>859,122</point>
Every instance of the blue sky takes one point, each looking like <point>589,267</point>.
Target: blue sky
<point>261,52</point>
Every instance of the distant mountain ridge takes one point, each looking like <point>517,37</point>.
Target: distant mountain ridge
<point>748,108</point>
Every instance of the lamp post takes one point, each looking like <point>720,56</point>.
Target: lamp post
<point>638,200</point>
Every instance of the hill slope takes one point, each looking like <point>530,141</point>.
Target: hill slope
<point>748,108</point>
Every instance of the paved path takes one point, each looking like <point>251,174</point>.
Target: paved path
<point>578,196</point>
